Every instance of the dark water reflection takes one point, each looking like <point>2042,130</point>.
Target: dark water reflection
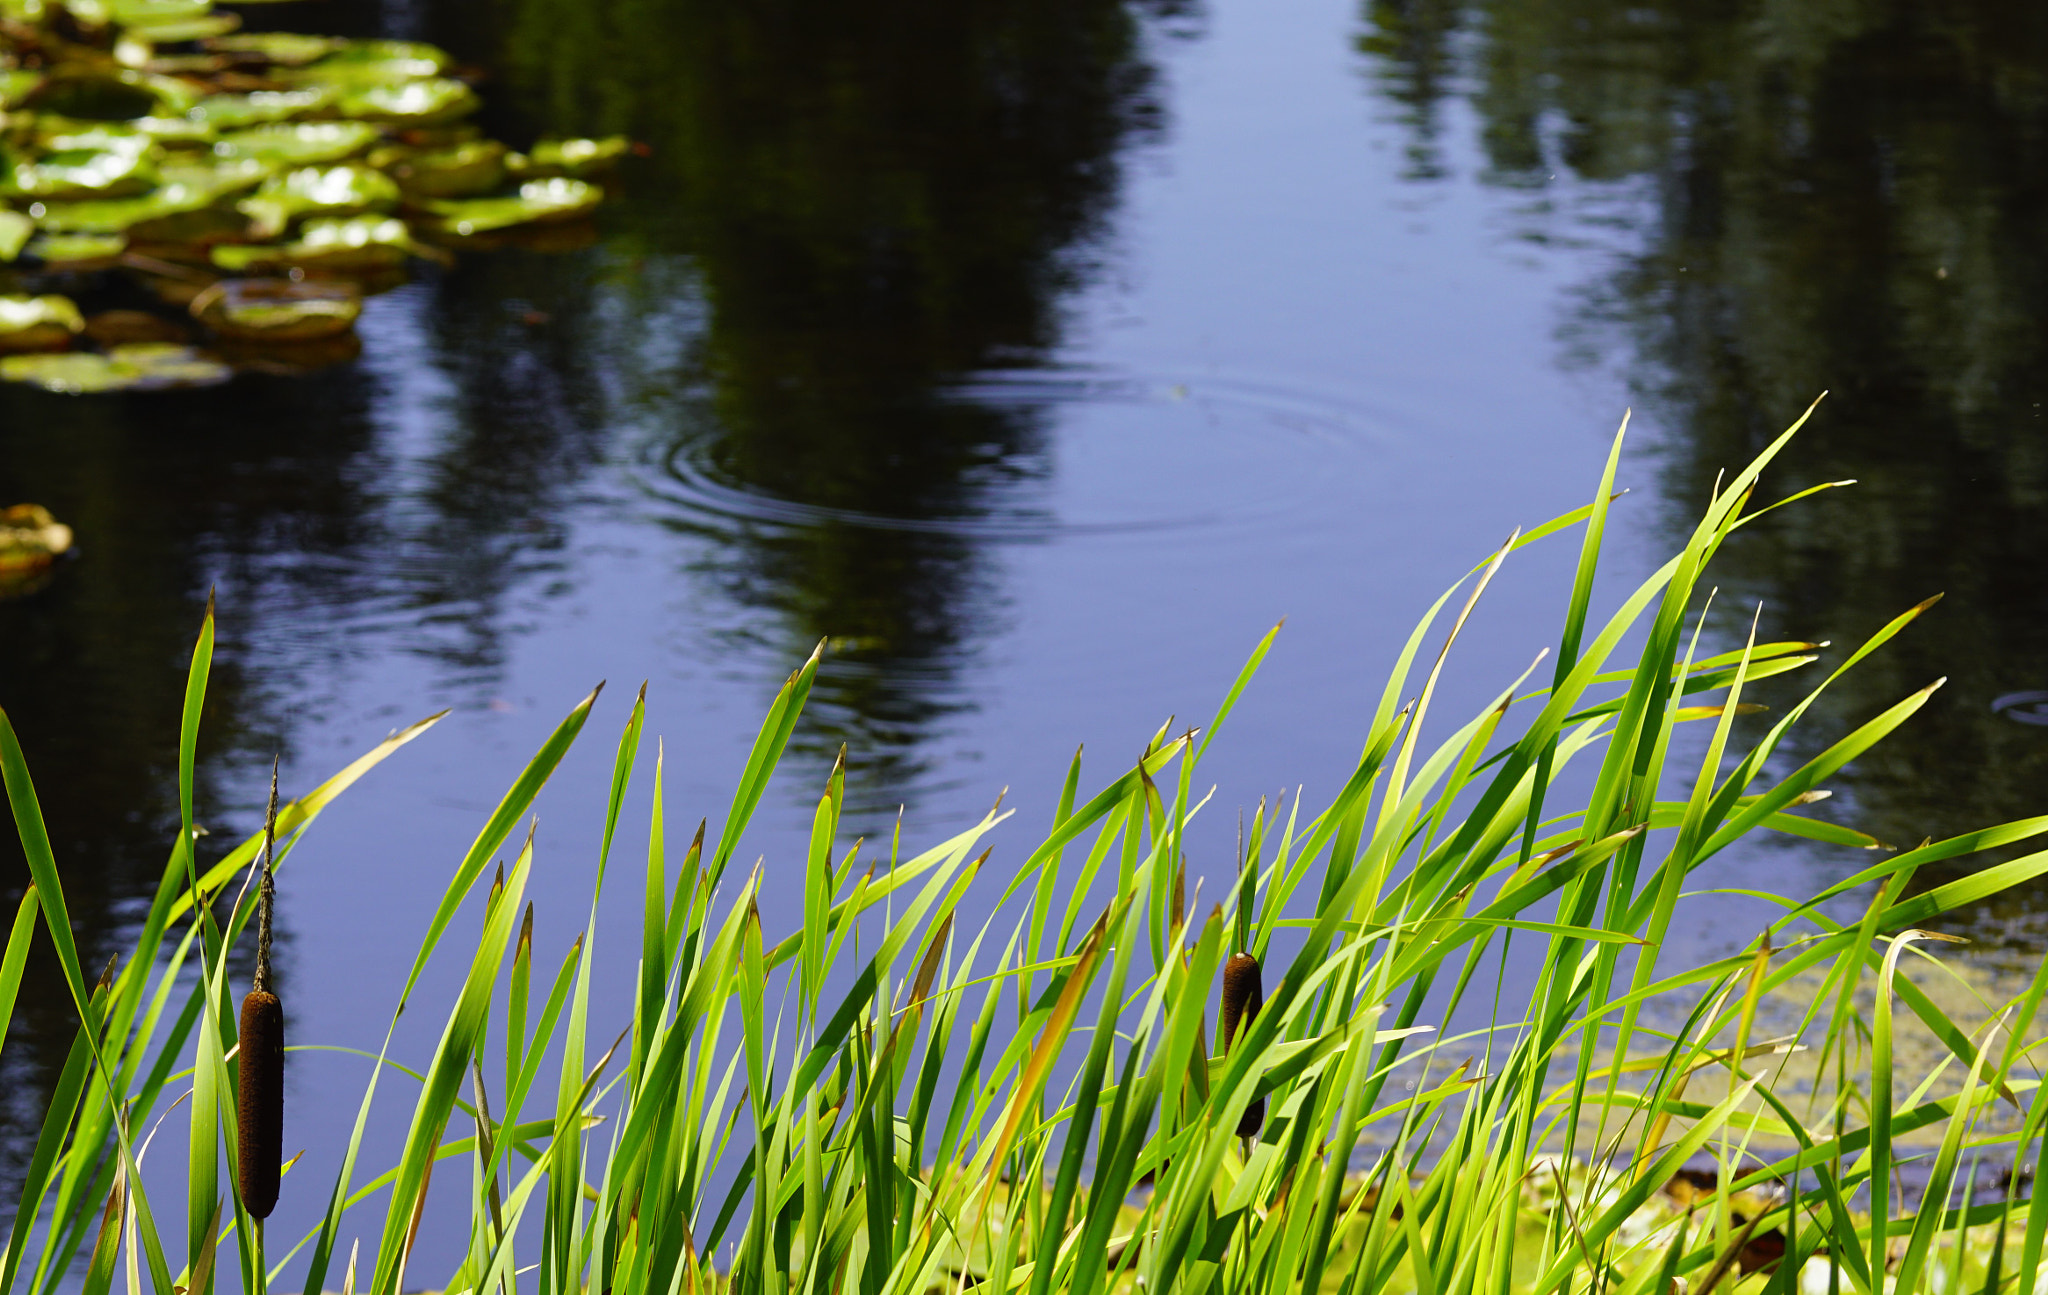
<point>1850,198</point>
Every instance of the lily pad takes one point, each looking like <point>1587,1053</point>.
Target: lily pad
<point>112,328</point>
<point>373,62</point>
<point>15,231</point>
<point>144,366</point>
<point>284,48</point>
<point>17,84</point>
<point>136,13</point>
<point>360,245</point>
<point>176,132</point>
<point>38,323</point>
<point>299,143</point>
<point>317,191</point>
<point>463,171</point>
<point>238,111</point>
<point>78,252</point>
<point>103,94</point>
<point>420,102</point>
<point>292,359</point>
<point>576,157</point>
<point>133,215</point>
<point>30,537</point>
<point>114,172</point>
<point>538,202</point>
<point>167,31</point>
<point>277,309</point>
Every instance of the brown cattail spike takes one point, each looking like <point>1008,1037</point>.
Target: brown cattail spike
<point>1242,998</point>
<point>259,1105</point>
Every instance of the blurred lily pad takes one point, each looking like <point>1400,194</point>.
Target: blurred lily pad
<point>136,13</point>
<point>576,157</point>
<point>110,94</point>
<point>371,62</point>
<point>278,310</point>
<point>317,191</point>
<point>16,84</point>
<point>15,231</point>
<point>538,202</point>
<point>133,215</point>
<point>30,537</point>
<point>78,252</point>
<point>464,171</point>
<point>420,102</point>
<point>38,323</point>
<point>360,245</point>
<point>302,143</point>
<point>166,31</point>
<point>126,167</point>
<point>262,107</point>
<point>143,366</point>
<point>112,328</point>
<point>291,359</point>
<point>176,132</point>
<point>284,48</point>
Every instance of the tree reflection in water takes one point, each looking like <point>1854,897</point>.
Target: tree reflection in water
<point>874,202</point>
<point>1850,197</point>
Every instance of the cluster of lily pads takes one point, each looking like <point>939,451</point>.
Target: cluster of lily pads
<point>228,198</point>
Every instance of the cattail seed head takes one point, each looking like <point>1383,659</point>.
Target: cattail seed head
<point>260,1102</point>
<point>1242,998</point>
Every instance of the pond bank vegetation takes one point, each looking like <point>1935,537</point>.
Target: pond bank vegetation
<point>1427,1037</point>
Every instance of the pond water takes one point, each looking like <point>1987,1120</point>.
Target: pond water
<point>1040,354</point>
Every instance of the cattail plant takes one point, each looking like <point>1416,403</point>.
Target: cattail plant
<point>260,1099</point>
<point>1242,998</point>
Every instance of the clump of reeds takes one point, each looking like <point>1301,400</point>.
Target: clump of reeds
<point>1037,1112</point>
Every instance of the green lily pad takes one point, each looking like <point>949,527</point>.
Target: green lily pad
<point>317,191</point>
<point>167,31</point>
<point>426,102</point>
<point>168,364</point>
<point>576,157</point>
<point>101,94</point>
<point>78,251</point>
<point>216,174</point>
<point>132,13</point>
<point>364,244</point>
<point>538,202</point>
<point>463,171</point>
<point>74,373</point>
<point>73,173</point>
<point>176,132</point>
<point>17,84</point>
<point>277,309</point>
<point>15,231</point>
<point>238,111</point>
<point>284,48</point>
<point>38,323</point>
<point>125,215</point>
<point>371,62</point>
<point>300,143</point>
<point>55,134</point>
<point>145,366</point>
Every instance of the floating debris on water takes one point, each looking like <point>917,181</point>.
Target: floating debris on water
<point>157,163</point>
